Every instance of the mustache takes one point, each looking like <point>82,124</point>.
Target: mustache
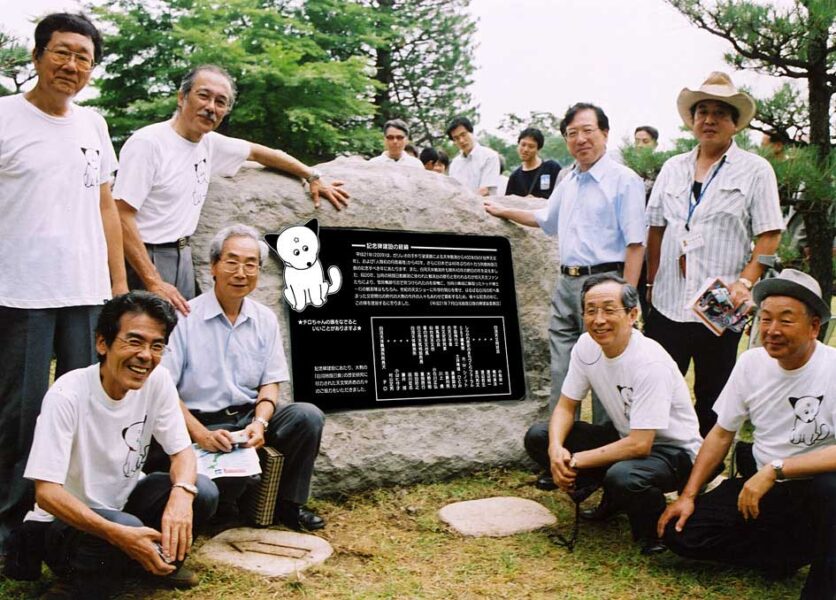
<point>207,114</point>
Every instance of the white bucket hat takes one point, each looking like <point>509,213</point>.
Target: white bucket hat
<point>717,87</point>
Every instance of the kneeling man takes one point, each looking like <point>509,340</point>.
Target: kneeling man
<point>649,446</point>
<point>227,360</point>
<point>91,440</point>
<point>783,514</point>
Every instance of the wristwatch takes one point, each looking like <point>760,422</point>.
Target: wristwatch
<point>192,489</point>
<point>264,422</point>
<point>573,464</point>
<point>313,176</point>
<point>778,467</point>
<point>746,283</point>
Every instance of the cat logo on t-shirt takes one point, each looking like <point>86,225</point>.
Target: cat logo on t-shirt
<point>805,428</point>
<point>137,451</point>
<point>626,394</point>
<point>201,186</point>
<point>92,159</point>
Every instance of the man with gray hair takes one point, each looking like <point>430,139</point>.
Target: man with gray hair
<point>227,361</point>
<point>395,140</point>
<point>649,444</point>
<point>164,176</point>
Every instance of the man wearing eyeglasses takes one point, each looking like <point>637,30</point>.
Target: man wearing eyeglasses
<point>395,139</point>
<point>650,443</point>
<point>597,213</point>
<point>164,176</point>
<point>60,240</point>
<point>227,361</point>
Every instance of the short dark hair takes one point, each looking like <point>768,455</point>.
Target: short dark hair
<point>68,23</point>
<point>187,82</point>
<point>411,150</point>
<point>735,114</point>
<point>629,294</point>
<point>533,133</point>
<point>649,130</point>
<point>778,137</point>
<point>397,124</point>
<point>137,302</point>
<point>458,122</point>
<point>603,121</point>
<point>443,158</point>
<point>428,155</point>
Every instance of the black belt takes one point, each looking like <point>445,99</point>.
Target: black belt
<point>602,268</point>
<point>180,244</point>
<point>225,415</point>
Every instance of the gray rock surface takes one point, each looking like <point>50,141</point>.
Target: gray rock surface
<point>362,449</point>
<point>268,552</point>
<point>496,517</point>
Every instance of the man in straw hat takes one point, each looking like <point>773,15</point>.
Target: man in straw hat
<point>782,514</point>
<point>705,209</point>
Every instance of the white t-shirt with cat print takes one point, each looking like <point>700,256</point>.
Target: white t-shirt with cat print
<point>792,412</point>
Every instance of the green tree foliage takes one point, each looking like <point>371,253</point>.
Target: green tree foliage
<point>291,93</point>
<point>15,64</point>
<point>421,54</point>
<point>793,40</point>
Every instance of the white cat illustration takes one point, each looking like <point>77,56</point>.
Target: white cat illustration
<point>304,279</point>
<point>806,429</point>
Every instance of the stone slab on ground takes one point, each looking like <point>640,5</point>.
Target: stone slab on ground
<point>268,552</point>
<point>496,517</point>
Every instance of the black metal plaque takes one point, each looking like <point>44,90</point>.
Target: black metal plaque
<point>419,318</point>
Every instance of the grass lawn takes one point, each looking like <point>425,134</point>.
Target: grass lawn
<point>389,543</point>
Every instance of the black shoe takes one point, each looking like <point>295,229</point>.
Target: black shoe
<point>545,482</point>
<point>652,546</point>
<point>303,520</point>
<point>603,512</point>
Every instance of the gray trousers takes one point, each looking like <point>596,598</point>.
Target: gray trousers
<point>94,564</point>
<point>565,327</point>
<point>29,339</point>
<point>175,267</point>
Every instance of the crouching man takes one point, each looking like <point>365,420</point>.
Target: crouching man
<point>649,446</point>
<point>98,520</point>
<point>782,514</point>
<point>227,361</point>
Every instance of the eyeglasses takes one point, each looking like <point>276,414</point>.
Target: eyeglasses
<point>138,345</point>
<point>232,266</point>
<point>573,134</point>
<point>609,311</point>
<point>63,56</point>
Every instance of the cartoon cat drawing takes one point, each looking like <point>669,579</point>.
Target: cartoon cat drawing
<point>304,278</point>
<point>201,182</point>
<point>806,429</point>
<point>137,451</point>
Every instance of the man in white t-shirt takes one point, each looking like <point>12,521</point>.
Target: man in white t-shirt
<point>60,240</point>
<point>649,446</point>
<point>97,518</point>
<point>395,139</point>
<point>476,167</point>
<point>164,176</point>
<point>781,514</point>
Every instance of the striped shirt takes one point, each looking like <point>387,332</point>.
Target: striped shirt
<point>740,203</point>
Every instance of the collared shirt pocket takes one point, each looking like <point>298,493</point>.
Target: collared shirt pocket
<point>676,198</point>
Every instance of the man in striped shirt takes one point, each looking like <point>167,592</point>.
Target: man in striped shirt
<point>705,209</point>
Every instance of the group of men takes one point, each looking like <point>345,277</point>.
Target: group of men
<point>71,457</point>
<point>223,360</point>
<point>712,213</point>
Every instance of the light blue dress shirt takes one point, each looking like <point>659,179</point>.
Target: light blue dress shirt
<point>595,214</point>
<point>215,364</point>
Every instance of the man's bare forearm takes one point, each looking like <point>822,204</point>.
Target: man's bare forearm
<point>135,252</point>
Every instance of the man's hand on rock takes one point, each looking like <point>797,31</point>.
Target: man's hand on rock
<point>335,194</point>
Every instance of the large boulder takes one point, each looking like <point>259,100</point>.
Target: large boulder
<point>367,448</point>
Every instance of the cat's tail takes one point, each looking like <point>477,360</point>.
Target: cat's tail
<point>336,279</point>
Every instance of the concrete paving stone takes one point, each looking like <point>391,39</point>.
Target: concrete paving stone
<point>496,517</point>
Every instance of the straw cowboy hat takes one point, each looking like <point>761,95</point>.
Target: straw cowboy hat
<point>794,284</point>
<point>717,87</point>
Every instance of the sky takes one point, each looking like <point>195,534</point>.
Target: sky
<point>632,58</point>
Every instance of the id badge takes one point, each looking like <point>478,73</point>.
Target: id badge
<point>691,242</point>
<point>545,181</point>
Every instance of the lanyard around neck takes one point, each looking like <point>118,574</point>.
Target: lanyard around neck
<point>694,200</point>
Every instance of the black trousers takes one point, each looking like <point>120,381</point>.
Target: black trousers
<point>295,430</point>
<point>636,486</point>
<point>714,358</point>
<point>796,526</point>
